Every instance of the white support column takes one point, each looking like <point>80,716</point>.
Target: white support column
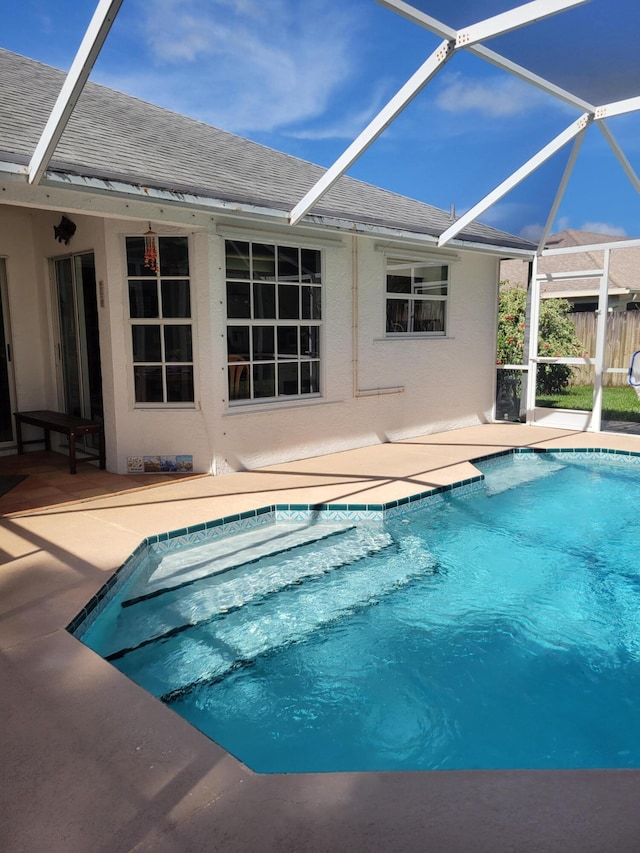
<point>517,177</point>
<point>601,339</point>
<point>534,323</point>
<point>373,130</point>
<point>577,145</point>
<point>86,56</point>
<point>513,19</point>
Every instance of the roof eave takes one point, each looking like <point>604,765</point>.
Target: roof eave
<point>194,200</point>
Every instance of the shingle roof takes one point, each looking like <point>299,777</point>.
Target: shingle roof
<point>114,136</point>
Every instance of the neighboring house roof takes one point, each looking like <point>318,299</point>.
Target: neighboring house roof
<point>116,137</point>
<point>624,270</point>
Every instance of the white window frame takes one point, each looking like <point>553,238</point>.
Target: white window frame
<point>247,366</point>
<point>161,322</point>
<point>419,293</point>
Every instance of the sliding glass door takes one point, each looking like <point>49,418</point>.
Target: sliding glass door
<point>6,364</point>
<point>79,341</point>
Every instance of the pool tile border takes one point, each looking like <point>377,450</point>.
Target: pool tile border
<point>628,457</point>
<point>251,519</point>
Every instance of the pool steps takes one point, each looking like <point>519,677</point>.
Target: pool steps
<point>177,569</point>
<point>238,584</point>
<point>525,468</point>
<point>208,651</point>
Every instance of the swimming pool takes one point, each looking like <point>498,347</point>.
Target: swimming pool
<point>495,628</point>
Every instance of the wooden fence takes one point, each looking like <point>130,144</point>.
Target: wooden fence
<point>623,339</point>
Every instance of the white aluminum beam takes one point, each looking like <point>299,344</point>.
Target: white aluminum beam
<point>559,359</point>
<point>513,19</point>
<point>373,130</point>
<point>620,155</point>
<point>594,247</point>
<point>442,30</point>
<point>529,77</point>
<point>562,187</point>
<point>517,177</point>
<point>88,52</point>
<point>569,275</point>
<point>618,108</point>
<point>516,18</point>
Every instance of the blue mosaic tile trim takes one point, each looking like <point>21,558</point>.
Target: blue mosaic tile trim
<point>161,543</point>
<point>329,512</point>
<point>627,457</point>
<point>207,531</point>
<point>81,622</point>
<point>376,512</point>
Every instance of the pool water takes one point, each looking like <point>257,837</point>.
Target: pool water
<point>498,629</point>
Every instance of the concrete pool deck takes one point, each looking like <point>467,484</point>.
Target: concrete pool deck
<point>90,763</point>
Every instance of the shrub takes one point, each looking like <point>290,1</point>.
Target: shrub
<point>556,337</point>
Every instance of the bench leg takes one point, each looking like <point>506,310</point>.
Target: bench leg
<point>19,436</point>
<point>72,452</point>
<point>101,451</point>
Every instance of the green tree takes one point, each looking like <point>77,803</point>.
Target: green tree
<point>556,337</point>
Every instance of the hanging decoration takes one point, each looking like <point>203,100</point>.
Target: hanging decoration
<point>64,231</point>
<point>151,250</point>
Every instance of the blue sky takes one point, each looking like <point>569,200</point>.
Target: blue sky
<point>305,76</point>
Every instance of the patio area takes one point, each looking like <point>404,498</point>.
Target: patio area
<point>90,762</point>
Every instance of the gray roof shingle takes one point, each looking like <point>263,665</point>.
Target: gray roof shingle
<point>118,137</point>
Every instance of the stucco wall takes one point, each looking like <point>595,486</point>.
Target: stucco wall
<point>446,382</point>
<point>26,274</point>
<point>391,389</point>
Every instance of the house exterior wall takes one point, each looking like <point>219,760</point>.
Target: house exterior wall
<point>374,388</point>
<point>27,301</point>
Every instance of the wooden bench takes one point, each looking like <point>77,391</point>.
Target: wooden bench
<point>68,425</point>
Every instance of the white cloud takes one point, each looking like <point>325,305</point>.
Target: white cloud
<point>495,97</point>
<point>244,64</point>
<point>532,232</point>
<point>604,228</point>
<point>348,127</point>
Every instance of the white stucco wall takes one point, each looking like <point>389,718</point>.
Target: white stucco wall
<point>26,275</point>
<point>390,390</point>
<point>446,382</point>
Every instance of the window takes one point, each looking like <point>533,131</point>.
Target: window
<point>416,298</point>
<point>161,331</point>
<point>273,321</point>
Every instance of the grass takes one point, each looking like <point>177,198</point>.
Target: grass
<point>618,403</point>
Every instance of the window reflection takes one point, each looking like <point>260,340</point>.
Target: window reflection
<point>425,288</point>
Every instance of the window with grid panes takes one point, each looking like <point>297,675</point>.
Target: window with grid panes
<point>160,317</point>
<point>416,298</point>
<point>273,320</point>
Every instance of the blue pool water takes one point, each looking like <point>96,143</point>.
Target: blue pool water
<point>498,629</point>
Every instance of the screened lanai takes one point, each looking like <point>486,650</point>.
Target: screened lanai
<point>583,57</point>
<point>579,59</point>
